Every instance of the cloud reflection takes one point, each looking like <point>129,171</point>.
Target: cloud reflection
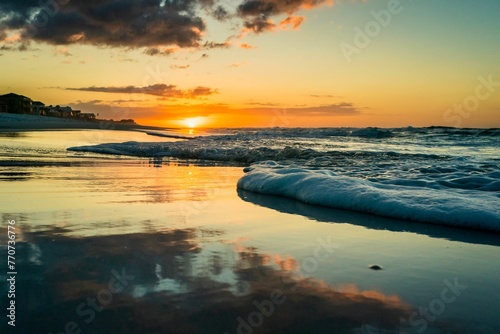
<point>185,281</point>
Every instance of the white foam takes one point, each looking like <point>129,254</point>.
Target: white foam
<point>454,207</point>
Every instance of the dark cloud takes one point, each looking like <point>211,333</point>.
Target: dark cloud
<point>220,14</point>
<point>342,108</point>
<point>11,47</point>
<point>116,23</point>
<point>162,90</point>
<point>259,24</point>
<point>151,24</point>
<point>257,13</point>
<point>275,7</point>
<point>215,45</point>
<point>155,51</point>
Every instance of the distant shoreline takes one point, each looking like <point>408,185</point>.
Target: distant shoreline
<point>21,122</point>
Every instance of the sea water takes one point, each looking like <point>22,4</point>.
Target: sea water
<point>434,175</point>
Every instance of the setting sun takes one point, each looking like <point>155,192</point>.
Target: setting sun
<point>194,122</point>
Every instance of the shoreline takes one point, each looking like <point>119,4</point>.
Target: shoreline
<point>17,122</point>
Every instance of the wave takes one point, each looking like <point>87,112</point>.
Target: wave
<point>369,132</point>
<point>461,208</point>
<point>226,149</point>
<point>168,134</point>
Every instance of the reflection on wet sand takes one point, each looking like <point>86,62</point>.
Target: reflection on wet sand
<point>324,214</point>
<point>180,281</point>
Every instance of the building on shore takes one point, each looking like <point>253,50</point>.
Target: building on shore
<point>19,104</point>
<point>16,104</point>
<point>87,116</point>
<point>3,106</point>
<point>38,108</point>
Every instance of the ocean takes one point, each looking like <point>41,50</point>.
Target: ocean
<point>250,231</point>
<point>433,175</point>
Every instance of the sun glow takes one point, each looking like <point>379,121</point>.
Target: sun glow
<point>193,122</point>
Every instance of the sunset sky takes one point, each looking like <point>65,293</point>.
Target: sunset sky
<point>234,63</point>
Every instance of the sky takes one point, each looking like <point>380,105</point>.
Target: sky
<point>258,63</point>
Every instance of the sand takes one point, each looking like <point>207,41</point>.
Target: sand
<point>33,122</point>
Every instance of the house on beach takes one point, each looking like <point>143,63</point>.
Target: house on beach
<point>16,104</point>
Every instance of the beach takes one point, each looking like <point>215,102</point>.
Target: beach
<point>34,122</point>
<point>124,244</point>
<point>249,167</point>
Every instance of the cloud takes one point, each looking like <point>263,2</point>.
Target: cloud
<point>126,101</point>
<point>338,109</point>
<point>62,51</point>
<point>293,21</point>
<point>215,45</point>
<point>255,114</point>
<point>161,90</point>
<point>156,51</point>
<point>276,7</point>
<point>238,64</point>
<point>322,96</point>
<point>160,27</point>
<point>180,67</point>
<point>257,13</point>
<point>258,25</point>
<point>264,104</point>
<point>115,23</point>
<point>221,14</point>
<point>246,46</point>
<point>342,108</point>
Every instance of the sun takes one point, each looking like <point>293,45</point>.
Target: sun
<point>193,122</point>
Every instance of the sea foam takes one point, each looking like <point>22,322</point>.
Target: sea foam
<point>453,207</point>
